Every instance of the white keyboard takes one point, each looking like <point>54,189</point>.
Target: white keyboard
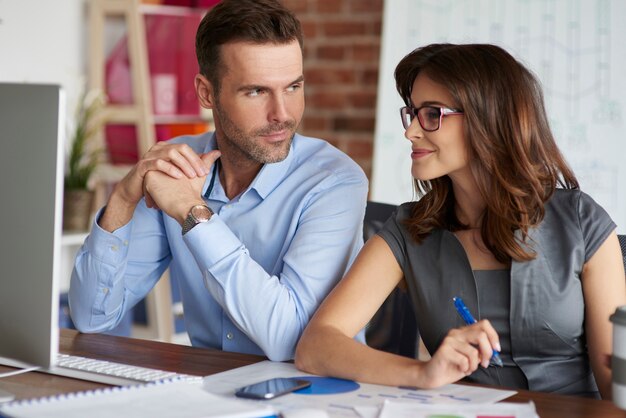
<point>111,373</point>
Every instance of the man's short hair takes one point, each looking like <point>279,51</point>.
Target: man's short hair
<point>254,21</point>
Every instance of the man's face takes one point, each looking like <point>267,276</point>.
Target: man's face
<point>261,99</point>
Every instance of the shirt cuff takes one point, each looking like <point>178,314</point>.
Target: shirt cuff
<point>108,247</point>
<point>211,241</point>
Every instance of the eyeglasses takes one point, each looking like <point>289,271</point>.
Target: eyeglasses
<point>429,117</point>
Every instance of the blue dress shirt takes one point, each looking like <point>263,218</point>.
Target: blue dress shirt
<point>251,277</point>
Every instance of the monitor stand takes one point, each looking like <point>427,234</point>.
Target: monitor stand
<point>4,361</point>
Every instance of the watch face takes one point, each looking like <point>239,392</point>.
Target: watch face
<point>201,213</point>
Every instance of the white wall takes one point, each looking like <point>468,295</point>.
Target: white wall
<point>45,41</point>
<point>576,47</point>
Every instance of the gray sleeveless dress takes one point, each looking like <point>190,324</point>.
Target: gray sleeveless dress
<point>541,322</point>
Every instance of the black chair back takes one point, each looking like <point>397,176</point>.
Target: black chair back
<point>622,245</point>
<point>394,327</point>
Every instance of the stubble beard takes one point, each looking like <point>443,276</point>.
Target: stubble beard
<point>246,144</point>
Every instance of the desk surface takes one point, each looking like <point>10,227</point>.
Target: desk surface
<point>202,362</point>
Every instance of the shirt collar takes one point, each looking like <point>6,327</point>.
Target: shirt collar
<point>210,146</point>
<point>270,176</point>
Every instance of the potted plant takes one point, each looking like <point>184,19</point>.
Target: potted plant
<point>83,159</point>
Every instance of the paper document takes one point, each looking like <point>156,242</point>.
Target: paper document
<point>344,397</point>
<point>393,409</point>
<point>163,399</point>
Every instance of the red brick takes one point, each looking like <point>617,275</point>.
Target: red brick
<point>370,6</point>
<point>360,149</point>
<point>366,166</point>
<point>354,123</point>
<point>366,52</point>
<point>370,76</point>
<point>342,146</point>
<point>332,142</point>
<point>327,100</point>
<point>319,75</point>
<point>315,123</point>
<point>308,52</point>
<point>363,99</point>
<point>296,6</point>
<point>342,46</point>
<point>331,52</point>
<point>376,27</point>
<point>309,29</point>
<point>329,6</point>
<point>344,28</point>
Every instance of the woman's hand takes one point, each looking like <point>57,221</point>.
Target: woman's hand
<point>460,354</point>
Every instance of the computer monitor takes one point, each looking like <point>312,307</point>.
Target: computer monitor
<point>32,126</point>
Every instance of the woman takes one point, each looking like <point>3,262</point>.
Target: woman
<point>501,224</point>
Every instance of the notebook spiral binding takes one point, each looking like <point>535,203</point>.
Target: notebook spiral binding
<point>83,394</point>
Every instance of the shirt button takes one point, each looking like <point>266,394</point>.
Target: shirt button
<point>105,290</point>
<point>114,248</point>
<point>126,243</point>
<point>230,336</point>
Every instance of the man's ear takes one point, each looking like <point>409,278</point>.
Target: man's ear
<point>204,91</point>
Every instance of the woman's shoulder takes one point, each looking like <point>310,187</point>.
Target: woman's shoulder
<point>400,220</point>
<point>572,200</point>
<point>405,210</point>
<point>396,224</point>
<point>565,196</point>
<point>575,208</point>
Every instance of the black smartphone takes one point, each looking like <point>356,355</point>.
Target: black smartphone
<point>269,389</point>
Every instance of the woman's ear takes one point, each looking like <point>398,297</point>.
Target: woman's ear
<point>204,91</point>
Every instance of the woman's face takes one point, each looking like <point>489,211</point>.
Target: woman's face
<point>441,152</point>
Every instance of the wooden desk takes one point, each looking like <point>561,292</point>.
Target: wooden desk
<point>163,356</point>
<point>204,362</point>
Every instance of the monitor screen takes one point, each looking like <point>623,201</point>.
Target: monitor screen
<point>32,127</point>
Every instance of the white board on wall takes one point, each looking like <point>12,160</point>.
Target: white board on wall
<point>576,49</point>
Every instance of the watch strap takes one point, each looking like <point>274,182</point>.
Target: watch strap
<point>191,220</point>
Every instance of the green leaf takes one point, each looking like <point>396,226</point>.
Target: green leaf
<point>84,157</point>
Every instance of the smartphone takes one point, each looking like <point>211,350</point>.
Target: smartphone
<point>269,389</point>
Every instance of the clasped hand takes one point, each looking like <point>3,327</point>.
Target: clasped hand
<point>170,177</point>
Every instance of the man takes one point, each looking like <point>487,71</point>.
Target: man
<point>256,238</point>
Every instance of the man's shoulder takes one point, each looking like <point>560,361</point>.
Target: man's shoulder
<point>198,142</point>
<point>323,156</point>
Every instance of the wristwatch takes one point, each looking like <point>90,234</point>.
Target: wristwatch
<point>197,214</point>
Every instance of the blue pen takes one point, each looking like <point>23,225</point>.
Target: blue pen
<point>469,320</point>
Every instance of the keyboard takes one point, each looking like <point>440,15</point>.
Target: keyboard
<point>111,373</point>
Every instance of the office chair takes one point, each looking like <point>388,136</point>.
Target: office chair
<point>394,327</point>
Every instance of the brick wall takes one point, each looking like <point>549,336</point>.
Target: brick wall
<point>341,51</point>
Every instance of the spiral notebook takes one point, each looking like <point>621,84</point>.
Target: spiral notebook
<point>180,399</point>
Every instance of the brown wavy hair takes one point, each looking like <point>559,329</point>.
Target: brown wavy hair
<point>512,153</point>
